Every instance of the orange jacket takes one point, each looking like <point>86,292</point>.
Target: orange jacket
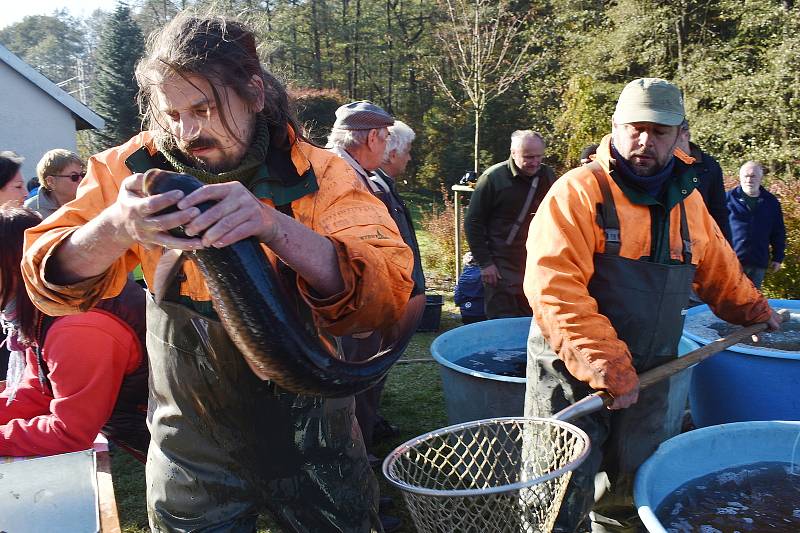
<point>374,261</point>
<point>563,238</point>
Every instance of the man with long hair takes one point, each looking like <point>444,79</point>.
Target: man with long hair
<point>226,443</point>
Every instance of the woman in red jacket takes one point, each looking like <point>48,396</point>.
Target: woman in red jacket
<point>71,377</point>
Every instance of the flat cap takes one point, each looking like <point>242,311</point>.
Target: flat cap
<point>650,100</point>
<point>362,115</point>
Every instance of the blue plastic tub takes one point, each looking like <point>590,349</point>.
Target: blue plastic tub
<point>475,395</point>
<point>471,394</point>
<point>704,451</point>
<point>745,382</point>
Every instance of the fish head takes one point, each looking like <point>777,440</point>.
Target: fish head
<point>157,181</point>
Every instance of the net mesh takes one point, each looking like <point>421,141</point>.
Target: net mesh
<point>497,475</point>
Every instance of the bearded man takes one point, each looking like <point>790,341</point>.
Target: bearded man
<point>613,253</point>
<point>227,444</point>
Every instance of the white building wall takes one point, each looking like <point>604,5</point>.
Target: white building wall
<point>31,121</point>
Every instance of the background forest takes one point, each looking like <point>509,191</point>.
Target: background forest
<point>556,66</point>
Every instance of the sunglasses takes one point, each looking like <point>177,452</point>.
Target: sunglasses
<point>75,177</point>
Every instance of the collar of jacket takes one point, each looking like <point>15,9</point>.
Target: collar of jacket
<point>740,194</point>
<point>514,169</point>
<point>681,185</point>
<point>46,200</point>
<point>695,152</point>
<point>365,175</point>
<point>283,178</point>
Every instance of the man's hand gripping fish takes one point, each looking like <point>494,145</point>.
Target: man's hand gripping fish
<point>254,310</point>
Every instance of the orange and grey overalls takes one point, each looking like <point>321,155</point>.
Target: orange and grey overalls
<point>645,302</point>
<point>227,445</point>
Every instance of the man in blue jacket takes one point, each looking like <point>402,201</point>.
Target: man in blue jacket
<point>756,224</point>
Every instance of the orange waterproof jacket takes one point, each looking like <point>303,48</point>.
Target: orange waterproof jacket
<point>563,238</point>
<point>375,262</point>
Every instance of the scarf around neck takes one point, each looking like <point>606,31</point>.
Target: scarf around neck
<point>254,157</point>
<point>652,185</point>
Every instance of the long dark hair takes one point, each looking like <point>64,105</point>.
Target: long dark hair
<point>13,223</point>
<point>223,51</point>
<point>9,166</point>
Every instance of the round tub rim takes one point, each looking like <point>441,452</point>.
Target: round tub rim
<point>446,336</point>
<point>650,467</point>
<point>744,348</point>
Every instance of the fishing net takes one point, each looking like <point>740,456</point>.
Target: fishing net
<point>494,475</point>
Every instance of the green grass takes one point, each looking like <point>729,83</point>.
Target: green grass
<point>412,400</point>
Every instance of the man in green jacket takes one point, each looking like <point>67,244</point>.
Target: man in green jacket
<point>501,209</point>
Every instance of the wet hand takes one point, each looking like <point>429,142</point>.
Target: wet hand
<point>237,215</point>
<point>773,323</point>
<point>135,215</point>
<point>490,275</point>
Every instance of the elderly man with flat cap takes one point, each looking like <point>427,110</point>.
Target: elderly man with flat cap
<point>613,252</point>
<point>359,136</point>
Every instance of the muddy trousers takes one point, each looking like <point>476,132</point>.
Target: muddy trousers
<point>620,442</point>
<point>227,445</point>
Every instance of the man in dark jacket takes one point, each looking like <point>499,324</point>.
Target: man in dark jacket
<point>501,209</point>
<point>709,180</point>
<point>756,224</point>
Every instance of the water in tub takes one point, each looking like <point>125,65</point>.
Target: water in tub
<point>708,326</point>
<point>502,362</point>
<point>758,497</point>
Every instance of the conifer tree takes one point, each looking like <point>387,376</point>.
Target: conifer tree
<point>114,88</point>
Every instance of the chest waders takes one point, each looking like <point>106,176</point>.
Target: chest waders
<point>226,445</point>
<point>645,303</point>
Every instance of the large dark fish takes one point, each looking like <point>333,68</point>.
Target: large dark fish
<point>255,312</point>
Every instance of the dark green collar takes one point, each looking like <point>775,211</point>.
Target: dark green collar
<point>277,179</point>
<point>512,167</point>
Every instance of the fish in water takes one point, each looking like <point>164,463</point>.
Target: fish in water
<point>254,309</point>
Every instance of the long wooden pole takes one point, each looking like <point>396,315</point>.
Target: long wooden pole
<point>598,400</point>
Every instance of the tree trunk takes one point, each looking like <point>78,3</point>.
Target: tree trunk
<point>356,48</point>
<point>317,74</point>
<point>477,139</point>
<point>390,68</point>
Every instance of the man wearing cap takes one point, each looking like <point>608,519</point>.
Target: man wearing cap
<point>496,223</point>
<point>710,181</point>
<point>612,255</point>
<point>361,136</point>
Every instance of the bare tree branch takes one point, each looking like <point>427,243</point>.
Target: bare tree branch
<point>483,43</point>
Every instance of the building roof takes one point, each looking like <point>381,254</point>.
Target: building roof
<point>85,118</point>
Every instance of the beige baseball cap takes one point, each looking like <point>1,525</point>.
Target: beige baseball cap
<point>650,100</point>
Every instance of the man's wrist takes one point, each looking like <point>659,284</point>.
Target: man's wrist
<point>110,224</point>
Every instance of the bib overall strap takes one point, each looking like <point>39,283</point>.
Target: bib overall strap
<point>687,241</point>
<point>523,212</point>
<point>607,217</point>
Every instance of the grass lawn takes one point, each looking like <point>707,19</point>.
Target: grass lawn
<point>412,399</point>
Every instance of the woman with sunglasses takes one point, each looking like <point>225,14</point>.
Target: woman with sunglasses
<point>12,185</point>
<point>60,171</point>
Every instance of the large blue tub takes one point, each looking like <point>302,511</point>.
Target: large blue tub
<point>744,382</point>
<point>704,451</point>
<point>475,395</point>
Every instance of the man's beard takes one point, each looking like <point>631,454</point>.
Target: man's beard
<point>641,170</point>
<point>225,165</point>
<point>232,155</point>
